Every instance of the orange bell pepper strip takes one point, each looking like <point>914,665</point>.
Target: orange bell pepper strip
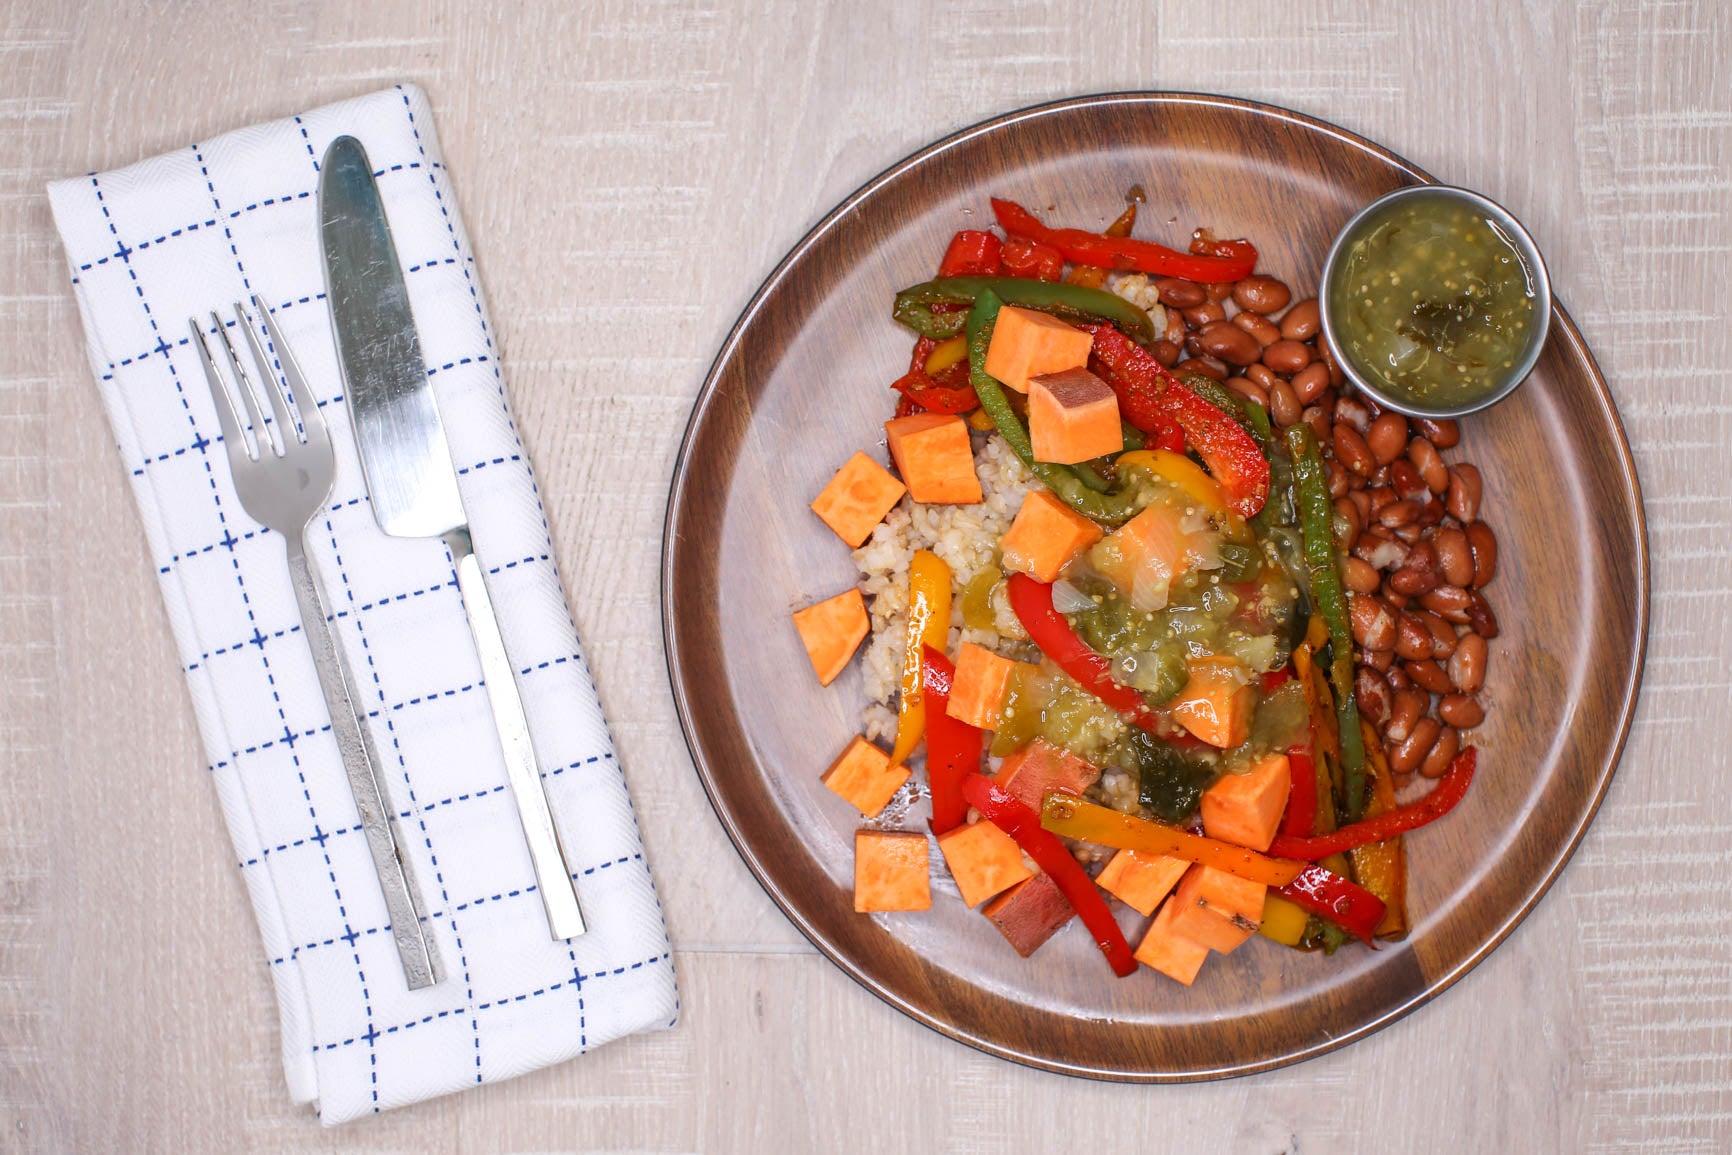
<point>1069,816</point>
<point>928,625</point>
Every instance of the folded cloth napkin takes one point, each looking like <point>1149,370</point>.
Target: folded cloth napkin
<point>192,230</point>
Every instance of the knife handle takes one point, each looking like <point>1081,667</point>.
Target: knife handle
<point>420,968</point>
<point>552,874</point>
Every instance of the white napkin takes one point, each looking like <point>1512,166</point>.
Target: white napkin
<point>213,223</point>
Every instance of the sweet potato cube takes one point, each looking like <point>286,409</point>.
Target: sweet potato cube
<point>977,691</point>
<point>1245,809</point>
<point>890,871</point>
<point>1217,909</point>
<point>864,776</point>
<point>1140,879</point>
<point>1073,416</point>
<point>857,499</point>
<point>1217,702</point>
<point>1046,536</point>
<point>934,457</point>
<point>1040,766</point>
<point>831,631</point>
<point>983,859</point>
<point>1026,343</point>
<point>1170,952</point>
<point>1029,913</point>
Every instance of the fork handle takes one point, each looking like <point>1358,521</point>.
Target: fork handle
<point>412,946</point>
<point>552,875</point>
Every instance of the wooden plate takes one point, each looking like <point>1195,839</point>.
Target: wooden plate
<point>802,383</point>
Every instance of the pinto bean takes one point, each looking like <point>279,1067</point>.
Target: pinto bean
<point>1310,382</point>
<point>1264,331</point>
<point>1166,352</point>
<point>1467,664</point>
<point>1303,321</point>
<point>1465,489</point>
<point>1462,711</point>
<point>1407,756</point>
<point>1406,708</point>
<point>1178,293</point>
<point>1399,512</point>
<point>1338,477</point>
<point>1483,543</point>
<point>1362,502</point>
<point>1351,450</point>
<point>1442,432</point>
<point>1249,390</point>
<point>1380,550</point>
<point>1207,366</point>
<point>1407,483</point>
<point>1443,639</point>
<point>1286,356</point>
<point>1358,575</point>
<point>1318,419</point>
<point>1352,411</point>
<point>1284,407</point>
<point>1262,294</point>
<point>1412,582</point>
<point>1387,437</point>
<point>1480,617</point>
<point>1229,342</point>
<point>1428,675</point>
<point>1347,524</point>
<point>1373,624</point>
<point>1448,601</point>
<point>1175,331</point>
<point>1201,315</point>
<point>1442,752</point>
<point>1379,660</point>
<point>1413,640</point>
<point>1218,291</point>
<point>1431,468</point>
<point>1374,695</point>
<point>1454,556</point>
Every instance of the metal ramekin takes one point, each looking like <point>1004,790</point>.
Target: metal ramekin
<point>1518,238</point>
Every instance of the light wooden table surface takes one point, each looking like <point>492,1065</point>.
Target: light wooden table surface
<point>630,170</point>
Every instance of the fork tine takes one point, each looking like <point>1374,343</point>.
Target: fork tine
<point>286,430</point>
<point>312,421</point>
<point>244,386</point>
<point>228,419</point>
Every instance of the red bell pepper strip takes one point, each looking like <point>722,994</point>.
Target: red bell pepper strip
<point>1449,791</point>
<point>953,747</point>
<point>1025,258</point>
<point>1008,813</point>
<point>1145,388</point>
<point>1085,248</point>
<point>930,395</point>
<point>1346,904</point>
<point>1300,821</point>
<point>973,253</point>
<point>1048,629</point>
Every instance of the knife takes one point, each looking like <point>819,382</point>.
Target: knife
<point>410,477</point>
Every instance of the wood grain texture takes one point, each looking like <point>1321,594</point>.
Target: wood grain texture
<point>631,171</point>
<point>798,387</point>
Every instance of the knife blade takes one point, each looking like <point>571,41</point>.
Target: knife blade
<point>411,480</point>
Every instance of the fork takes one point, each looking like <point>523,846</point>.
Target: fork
<point>283,474</point>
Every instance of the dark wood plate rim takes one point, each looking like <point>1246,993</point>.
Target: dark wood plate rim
<point>1563,326</point>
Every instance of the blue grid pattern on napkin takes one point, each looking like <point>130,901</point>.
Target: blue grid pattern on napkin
<point>196,229</point>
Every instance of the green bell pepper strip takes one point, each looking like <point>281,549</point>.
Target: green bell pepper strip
<point>1316,523</point>
<point>1073,302</point>
<point>1066,485</point>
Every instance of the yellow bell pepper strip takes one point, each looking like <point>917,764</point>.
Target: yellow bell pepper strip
<point>1449,790</point>
<point>1317,524</point>
<point>1005,811</point>
<point>1189,478</point>
<point>946,354</point>
<point>1283,921</point>
<point>1070,817</point>
<point>1381,867</point>
<point>928,625</point>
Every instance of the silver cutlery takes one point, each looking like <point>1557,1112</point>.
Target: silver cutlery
<point>410,475</point>
<point>283,475</point>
